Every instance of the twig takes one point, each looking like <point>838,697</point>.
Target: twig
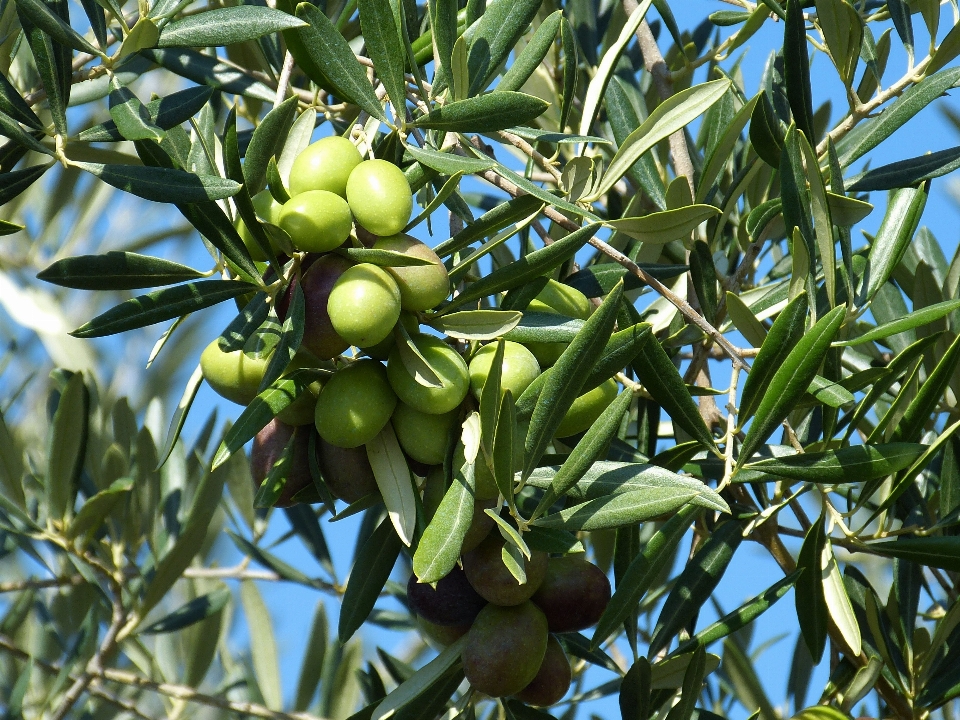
<point>179,692</point>
<point>531,152</point>
<point>655,65</point>
<point>284,81</point>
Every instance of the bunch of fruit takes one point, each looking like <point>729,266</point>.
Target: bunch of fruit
<point>511,648</point>
<point>340,201</point>
<point>336,196</point>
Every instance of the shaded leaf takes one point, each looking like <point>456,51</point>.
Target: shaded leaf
<point>486,113</point>
<point>190,613</point>
<point>116,271</point>
<point>371,570</point>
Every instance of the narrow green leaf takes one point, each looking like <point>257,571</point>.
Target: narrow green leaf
<point>590,449</point>
<point>13,104</point>
<point>661,228</point>
<point>524,270</point>
<point>790,380</point>
<point>225,26</point>
<point>163,184</point>
<point>15,182</point>
<point>722,152</point>
<point>439,547</point>
<point>600,79</point>
<point>628,508</point>
<point>696,583</point>
<point>329,50</point>
<point>623,119</point>
<point>383,258</point>
<point>208,70</point>
<point>266,142</point>
<point>161,305</point>
<point>371,570</point>
<point>313,659</point>
<point>660,377</point>
<point>837,602</point>
<point>9,228</point>
<point>900,14</point>
<point>382,37</point>
<point>635,689</point>
<point>450,164</point>
<point>477,324</point>
<point>291,334</point>
<point>263,645</point>
<point>44,17</point>
<point>843,31</point>
<point>918,412</point>
<point>393,479</point>
<point>190,613</point>
<point>892,239</point>
<point>671,115</point>
<point>490,404</point>
<point>116,271</point>
<point>643,572</point>
<point>67,447</point>
<point>504,448</point>
<point>691,688</point>
<point>812,613</point>
<point>857,463</point>
<point>180,415</point>
<point>607,477</point>
<point>532,54</point>
<point>563,385</point>
<point>742,616</point>
<point>93,512</point>
<point>905,173</point>
<point>497,32</point>
<point>917,318</point>
<point>266,406</point>
<point>421,682</point>
<point>53,61</point>
<point>796,68</point>
<point>486,113</point>
<point>130,117</point>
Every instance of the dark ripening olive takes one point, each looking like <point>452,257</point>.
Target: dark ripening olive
<point>346,471</point>
<point>316,221</point>
<point>552,679</point>
<point>355,404</point>
<point>234,375</point>
<point>519,369</point>
<point>449,366</point>
<point>421,286</point>
<point>319,337</point>
<point>364,305</point>
<point>505,648</point>
<point>490,577</point>
<point>587,408</point>
<point>380,197</point>
<point>422,436</point>
<point>573,595</point>
<point>324,165</point>
<point>453,602</point>
<point>268,447</point>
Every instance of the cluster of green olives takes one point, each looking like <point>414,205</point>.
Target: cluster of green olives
<point>511,646</point>
<point>377,310</point>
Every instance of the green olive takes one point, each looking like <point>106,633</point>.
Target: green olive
<point>421,435</point>
<point>316,221</point>
<point>380,197</point>
<point>364,305</point>
<point>563,300</point>
<point>587,408</point>
<point>355,404</point>
<point>505,648</point>
<point>421,286</point>
<point>519,369</point>
<point>324,165</point>
<point>449,366</point>
<point>268,210</point>
<point>234,375</point>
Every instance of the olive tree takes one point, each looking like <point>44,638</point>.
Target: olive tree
<point>542,291</point>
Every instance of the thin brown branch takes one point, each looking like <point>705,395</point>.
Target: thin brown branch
<point>179,692</point>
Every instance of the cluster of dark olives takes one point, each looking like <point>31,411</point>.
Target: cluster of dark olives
<point>511,647</point>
